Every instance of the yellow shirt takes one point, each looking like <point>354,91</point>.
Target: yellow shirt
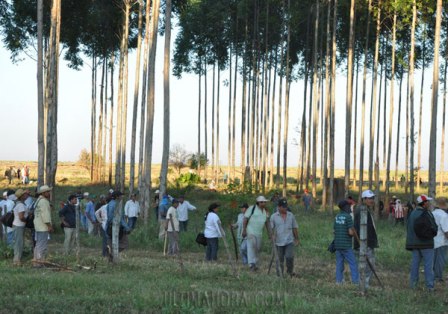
<point>42,214</point>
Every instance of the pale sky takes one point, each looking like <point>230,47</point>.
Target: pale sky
<point>18,109</point>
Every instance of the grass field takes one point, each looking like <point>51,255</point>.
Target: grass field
<point>146,281</point>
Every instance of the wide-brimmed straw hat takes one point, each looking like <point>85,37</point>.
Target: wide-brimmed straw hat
<point>43,189</point>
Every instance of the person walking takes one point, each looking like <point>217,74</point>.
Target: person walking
<point>182,211</point>
<point>344,232</point>
<point>285,232</point>
<point>421,230</point>
<point>307,200</point>
<point>132,211</point>
<point>20,215</point>
<point>399,212</point>
<point>68,220</point>
<point>242,242</point>
<point>255,219</point>
<point>441,239</point>
<point>42,224</point>
<point>367,203</point>
<point>212,232</point>
<point>173,234</point>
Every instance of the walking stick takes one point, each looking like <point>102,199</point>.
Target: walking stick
<point>369,263</point>
<point>232,264</point>
<point>234,241</point>
<point>270,264</point>
<point>274,249</point>
<point>164,243</point>
<point>181,264</point>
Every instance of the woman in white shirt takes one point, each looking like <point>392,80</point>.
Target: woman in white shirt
<point>212,232</point>
<point>20,214</point>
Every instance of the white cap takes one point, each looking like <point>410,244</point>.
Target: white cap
<point>86,194</point>
<point>5,194</point>
<point>157,192</point>
<point>423,198</point>
<point>111,191</point>
<point>261,198</point>
<point>367,194</point>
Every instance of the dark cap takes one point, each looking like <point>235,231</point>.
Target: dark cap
<point>213,206</point>
<point>116,194</point>
<point>344,205</point>
<point>244,205</point>
<point>71,196</point>
<point>283,203</point>
<point>174,201</point>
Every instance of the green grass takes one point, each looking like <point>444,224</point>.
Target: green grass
<point>146,281</point>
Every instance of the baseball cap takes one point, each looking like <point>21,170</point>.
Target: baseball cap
<point>367,194</point>
<point>283,203</point>
<point>423,198</point>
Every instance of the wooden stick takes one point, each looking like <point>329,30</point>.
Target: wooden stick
<point>165,243</point>
<point>181,264</point>
<point>231,261</point>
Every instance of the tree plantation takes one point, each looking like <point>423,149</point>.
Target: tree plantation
<point>249,58</point>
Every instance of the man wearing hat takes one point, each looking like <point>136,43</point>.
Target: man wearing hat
<point>441,239</point>
<point>20,214</point>
<point>343,232</point>
<point>367,203</point>
<point>132,211</point>
<point>42,222</point>
<point>284,227</point>
<point>255,219</point>
<point>173,234</point>
<point>68,219</point>
<point>239,236</point>
<point>422,246</point>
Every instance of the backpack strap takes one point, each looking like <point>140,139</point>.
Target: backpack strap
<point>253,209</point>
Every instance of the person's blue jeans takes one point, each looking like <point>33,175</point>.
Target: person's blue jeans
<point>439,262</point>
<point>132,221</point>
<point>349,256</point>
<point>10,239</point>
<point>428,262</point>
<point>243,251</point>
<point>211,253</point>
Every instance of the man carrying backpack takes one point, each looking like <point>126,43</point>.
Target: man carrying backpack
<point>421,230</point>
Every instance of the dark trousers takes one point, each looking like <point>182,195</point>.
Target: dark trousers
<point>211,252</point>
<point>105,238</point>
<point>183,225</point>
<point>286,252</point>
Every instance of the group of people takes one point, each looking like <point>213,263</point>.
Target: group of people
<point>426,238</point>
<point>22,174</point>
<point>35,214</point>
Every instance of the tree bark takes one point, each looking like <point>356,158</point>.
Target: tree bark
<point>40,98</point>
<point>434,102</point>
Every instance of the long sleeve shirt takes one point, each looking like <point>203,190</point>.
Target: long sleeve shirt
<point>182,210</point>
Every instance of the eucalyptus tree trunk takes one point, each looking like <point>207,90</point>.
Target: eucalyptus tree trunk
<point>99,156</point>
<point>166,99</point>
<point>286,120</point>
<point>150,91</point>
<point>235,80</point>
<point>40,98</point>
<point>419,153</point>
<point>355,122</point>
<point>315,96</point>
<point>434,101</point>
<point>199,115</point>
<point>111,118</point>
<point>213,123</point>
<point>143,106</point>
<point>384,116</point>
<point>374,93</point>
<point>105,116</point>
<point>326,124</point>
<point>93,119</point>
<point>411,100</point>
<point>243,122</point>
<point>51,95</point>
<point>397,147</point>
<point>230,120</point>
<point>272,116</point>
<point>333,106</point>
<point>442,147</point>
<point>217,126</point>
<point>391,105</point>
<point>124,112</point>
<point>136,89</point>
<point>279,121</point>
<point>205,118</point>
<point>349,95</point>
<point>363,104</point>
<point>115,231</point>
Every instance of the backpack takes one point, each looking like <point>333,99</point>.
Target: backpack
<point>7,219</point>
<point>424,226</point>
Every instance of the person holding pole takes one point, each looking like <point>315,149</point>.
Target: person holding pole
<point>255,219</point>
<point>172,229</point>
<point>367,237</point>
<point>284,227</point>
